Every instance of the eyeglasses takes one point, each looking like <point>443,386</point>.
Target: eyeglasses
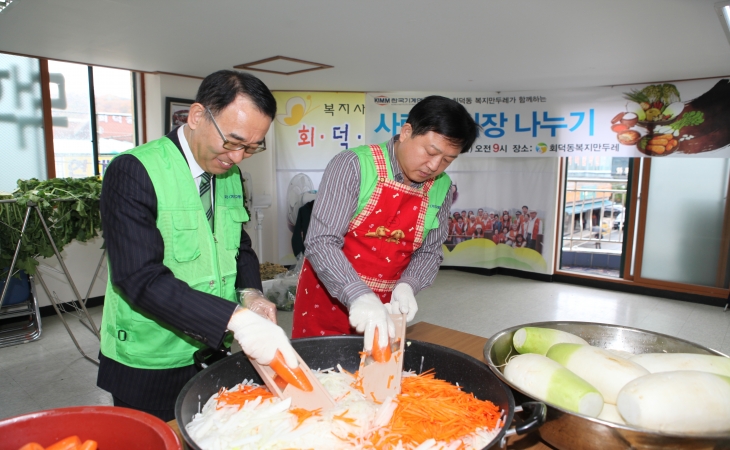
<point>228,145</point>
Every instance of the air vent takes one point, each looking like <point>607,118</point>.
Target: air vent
<point>283,65</point>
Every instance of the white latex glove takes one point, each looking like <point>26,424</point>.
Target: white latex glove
<point>403,301</point>
<point>367,312</point>
<point>260,338</point>
<point>254,300</point>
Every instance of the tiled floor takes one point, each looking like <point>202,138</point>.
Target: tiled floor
<point>51,373</point>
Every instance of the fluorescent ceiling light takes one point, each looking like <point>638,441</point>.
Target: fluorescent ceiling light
<point>723,12</point>
<point>4,4</point>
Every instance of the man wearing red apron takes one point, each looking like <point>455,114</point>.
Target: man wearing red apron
<point>378,224</point>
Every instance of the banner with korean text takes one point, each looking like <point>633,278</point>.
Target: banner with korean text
<point>680,119</point>
<point>310,128</point>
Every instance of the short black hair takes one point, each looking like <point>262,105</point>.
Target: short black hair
<point>445,117</point>
<point>220,89</point>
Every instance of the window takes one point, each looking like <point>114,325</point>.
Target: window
<point>21,121</point>
<point>71,112</point>
<point>83,147</point>
<point>593,210</point>
<point>115,124</point>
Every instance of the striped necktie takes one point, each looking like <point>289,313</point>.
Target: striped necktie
<point>205,197</point>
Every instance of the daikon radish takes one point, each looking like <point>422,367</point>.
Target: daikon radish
<point>539,340</point>
<point>621,353</point>
<point>669,362</point>
<point>684,401</point>
<point>547,380</point>
<point>599,367</point>
<point>610,413</point>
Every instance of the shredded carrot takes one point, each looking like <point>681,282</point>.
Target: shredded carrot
<point>358,384</point>
<point>390,379</point>
<point>343,418</point>
<point>429,408</point>
<point>242,395</point>
<point>304,414</point>
<point>338,437</point>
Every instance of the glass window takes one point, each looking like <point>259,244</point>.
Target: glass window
<point>594,207</point>
<point>23,147</point>
<point>684,220</point>
<point>71,112</point>
<point>115,125</point>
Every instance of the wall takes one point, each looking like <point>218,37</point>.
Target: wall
<point>159,86</point>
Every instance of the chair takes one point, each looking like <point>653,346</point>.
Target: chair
<point>20,300</point>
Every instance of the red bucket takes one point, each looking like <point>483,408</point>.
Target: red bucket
<point>111,427</point>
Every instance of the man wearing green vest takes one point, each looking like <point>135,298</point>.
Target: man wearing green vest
<point>378,224</point>
<point>173,213</point>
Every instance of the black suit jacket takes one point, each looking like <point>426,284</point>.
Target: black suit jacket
<point>135,254</point>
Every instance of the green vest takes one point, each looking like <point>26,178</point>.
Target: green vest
<point>369,179</point>
<point>195,255</point>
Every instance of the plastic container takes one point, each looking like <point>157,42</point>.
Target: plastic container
<point>113,428</point>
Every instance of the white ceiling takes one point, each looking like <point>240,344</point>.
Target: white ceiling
<point>395,45</point>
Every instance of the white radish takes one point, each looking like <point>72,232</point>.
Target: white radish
<point>621,353</point>
<point>684,401</point>
<point>601,368</point>
<point>539,340</point>
<point>669,362</point>
<point>610,413</point>
<point>547,380</point>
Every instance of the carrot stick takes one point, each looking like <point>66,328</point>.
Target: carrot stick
<point>31,446</point>
<point>89,445</point>
<point>69,443</point>
<point>294,377</point>
<point>379,354</point>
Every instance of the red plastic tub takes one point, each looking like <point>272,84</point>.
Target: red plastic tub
<point>111,427</point>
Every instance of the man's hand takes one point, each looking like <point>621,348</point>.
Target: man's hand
<point>260,339</point>
<point>367,312</point>
<point>404,301</point>
<point>254,300</point>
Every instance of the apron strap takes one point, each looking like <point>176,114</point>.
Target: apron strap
<point>380,164</point>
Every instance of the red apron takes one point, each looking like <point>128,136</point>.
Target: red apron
<point>379,244</point>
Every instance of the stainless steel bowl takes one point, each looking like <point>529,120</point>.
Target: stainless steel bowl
<point>567,430</point>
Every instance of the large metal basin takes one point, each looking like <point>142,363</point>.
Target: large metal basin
<point>567,430</point>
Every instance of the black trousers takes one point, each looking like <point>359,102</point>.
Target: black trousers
<point>164,414</point>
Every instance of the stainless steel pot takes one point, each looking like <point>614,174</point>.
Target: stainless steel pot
<point>567,430</point>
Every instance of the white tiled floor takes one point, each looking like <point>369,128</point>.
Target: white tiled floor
<point>51,373</point>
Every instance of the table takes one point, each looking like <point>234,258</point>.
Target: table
<point>466,343</point>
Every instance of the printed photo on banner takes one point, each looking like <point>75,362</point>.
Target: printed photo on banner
<point>516,227</point>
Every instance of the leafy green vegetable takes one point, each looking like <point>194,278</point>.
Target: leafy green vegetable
<point>688,119</point>
<point>665,93</point>
<point>669,94</point>
<point>70,208</point>
<point>637,96</point>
